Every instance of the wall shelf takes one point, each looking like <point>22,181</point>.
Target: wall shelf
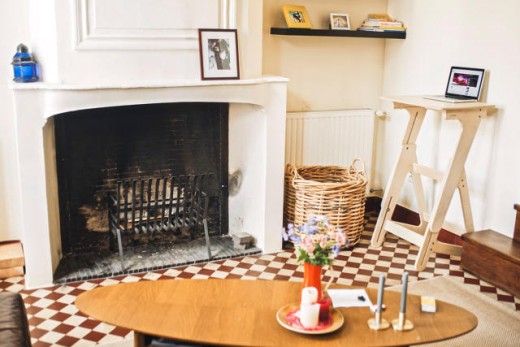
<point>337,33</point>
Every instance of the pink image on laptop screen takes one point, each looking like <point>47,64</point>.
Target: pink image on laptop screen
<point>465,82</point>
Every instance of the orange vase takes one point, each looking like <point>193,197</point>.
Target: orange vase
<point>312,277</point>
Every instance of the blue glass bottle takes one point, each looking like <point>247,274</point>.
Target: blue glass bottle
<point>25,68</point>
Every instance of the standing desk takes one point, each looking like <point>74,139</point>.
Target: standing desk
<point>424,235</point>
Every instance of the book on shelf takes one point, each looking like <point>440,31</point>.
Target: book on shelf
<point>393,30</point>
<point>382,23</point>
<point>382,16</point>
<point>378,23</point>
<point>383,27</point>
<point>371,29</point>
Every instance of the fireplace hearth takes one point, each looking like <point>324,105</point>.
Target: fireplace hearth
<point>146,257</point>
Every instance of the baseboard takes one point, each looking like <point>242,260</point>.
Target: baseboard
<point>405,215</point>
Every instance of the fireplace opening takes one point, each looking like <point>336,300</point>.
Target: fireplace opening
<point>140,181</point>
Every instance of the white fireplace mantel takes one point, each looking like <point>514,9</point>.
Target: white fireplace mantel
<point>256,146</point>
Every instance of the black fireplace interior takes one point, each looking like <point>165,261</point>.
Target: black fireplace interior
<point>148,156</point>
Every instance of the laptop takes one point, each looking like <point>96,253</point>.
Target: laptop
<point>464,85</point>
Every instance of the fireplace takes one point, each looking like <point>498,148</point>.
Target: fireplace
<point>136,176</point>
<point>255,164</point>
<point>145,159</point>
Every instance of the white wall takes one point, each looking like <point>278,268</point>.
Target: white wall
<point>145,40</point>
<point>474,33</point>
<point>14,29</point>
<point>113,41</point>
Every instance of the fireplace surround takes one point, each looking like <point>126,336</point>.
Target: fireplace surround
<point>256,154</point>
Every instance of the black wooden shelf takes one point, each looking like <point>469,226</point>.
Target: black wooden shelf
<point>338,33</point>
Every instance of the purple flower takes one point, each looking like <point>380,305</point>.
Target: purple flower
<point>335,250</point>
<point>285,236</point>
<point>295,238</point>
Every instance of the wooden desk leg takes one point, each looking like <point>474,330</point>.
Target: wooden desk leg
<point>470,122</point>
<point>403,166</point>
<point>465,203</point>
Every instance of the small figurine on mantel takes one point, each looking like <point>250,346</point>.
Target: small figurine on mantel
<point>25,68</point>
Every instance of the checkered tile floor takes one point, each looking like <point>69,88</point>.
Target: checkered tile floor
<point>55,321</point>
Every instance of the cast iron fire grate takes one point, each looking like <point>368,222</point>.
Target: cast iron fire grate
<point>148,206</point>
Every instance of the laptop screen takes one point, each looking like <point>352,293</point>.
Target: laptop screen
<point>465,82</point>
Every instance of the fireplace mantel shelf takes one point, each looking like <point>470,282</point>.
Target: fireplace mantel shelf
<point>58,98</point>
<point>145,84</point>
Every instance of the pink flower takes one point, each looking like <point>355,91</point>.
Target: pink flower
<point>340,238</point>
<point>308,245</point>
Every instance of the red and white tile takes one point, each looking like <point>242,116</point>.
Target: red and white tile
<point>55,321</point>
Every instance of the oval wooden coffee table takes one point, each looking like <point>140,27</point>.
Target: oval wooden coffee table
<point>243,313</point>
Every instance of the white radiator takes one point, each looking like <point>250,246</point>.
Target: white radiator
<point>330,138</point>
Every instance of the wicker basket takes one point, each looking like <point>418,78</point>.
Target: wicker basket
<point>336,192</point>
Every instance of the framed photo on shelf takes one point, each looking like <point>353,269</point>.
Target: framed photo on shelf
<point>296,16</point>
<point>218,49</point>
<point>339,21</point>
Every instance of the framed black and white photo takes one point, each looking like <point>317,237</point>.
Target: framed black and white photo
<point>218,54</point>
<point>339,21</point>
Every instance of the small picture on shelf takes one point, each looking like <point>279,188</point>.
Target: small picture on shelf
<point>296,16</point>
<point>339,21</point>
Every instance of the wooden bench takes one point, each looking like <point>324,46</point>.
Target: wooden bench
<point>494,257</point>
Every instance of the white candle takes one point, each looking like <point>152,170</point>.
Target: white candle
<point>309,315</point>
<point>309,295</point>
<point>403,292</point>
<point>380,293</point>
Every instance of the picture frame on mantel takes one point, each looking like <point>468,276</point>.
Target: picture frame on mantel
<point>218,50</point>
<point>339,21</point>
<point>296,16</point>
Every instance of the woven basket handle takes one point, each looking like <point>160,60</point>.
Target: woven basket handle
<point>358,166</point>
<point>293,170</point>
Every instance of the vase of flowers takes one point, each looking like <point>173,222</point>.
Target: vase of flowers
<point>316,244</point>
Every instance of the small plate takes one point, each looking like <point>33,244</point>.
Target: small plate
<point>337,321</point>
